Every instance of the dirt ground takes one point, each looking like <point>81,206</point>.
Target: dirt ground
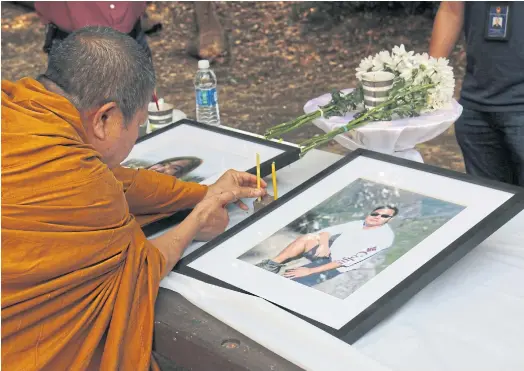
<point>275,66</point>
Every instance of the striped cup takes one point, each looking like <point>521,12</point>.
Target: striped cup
<point>162,117</point>
<point>376,87</point>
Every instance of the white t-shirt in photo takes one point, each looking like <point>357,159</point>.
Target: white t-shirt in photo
<point>356,244</point>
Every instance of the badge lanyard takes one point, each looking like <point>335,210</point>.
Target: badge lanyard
<point>498,21</point>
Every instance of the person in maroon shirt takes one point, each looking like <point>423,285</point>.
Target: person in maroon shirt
<point>210,41</point>
<point>64,17</point>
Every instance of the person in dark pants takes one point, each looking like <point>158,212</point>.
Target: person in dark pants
<point>490,131</point>
<point>64,17</point>
<point>210,41</point>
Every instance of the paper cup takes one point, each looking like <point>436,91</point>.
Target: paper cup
<point>162,117</point>
<point>376,87</point>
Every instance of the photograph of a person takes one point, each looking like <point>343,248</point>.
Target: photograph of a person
<point>200,153</point>
<point>351,237</point>
<point>180,167</point>
<point>497,22</point>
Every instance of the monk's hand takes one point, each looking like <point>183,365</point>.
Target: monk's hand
<point>238,180</point>
<point>211,213</point>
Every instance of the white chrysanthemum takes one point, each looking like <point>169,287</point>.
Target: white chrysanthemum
<point>365,66</point>
<point>384,56</point>
<point>422,58</point>
<point>420,77</point>
<point>400,51</point>
<point>440,74</point>
<point>415,69</point>
<point>395,62</point>
<point>406,69</point>
<point>381,61</point>
<point>406,74</point>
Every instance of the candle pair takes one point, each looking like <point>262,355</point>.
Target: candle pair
<point>274,176</point>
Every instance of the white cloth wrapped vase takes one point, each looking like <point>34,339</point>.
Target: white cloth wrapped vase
<point>396,137</point>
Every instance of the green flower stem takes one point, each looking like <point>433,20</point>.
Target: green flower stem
<point>326,138</point>
<point>315,142</point>
<point>345,128</point>
<point>336,105</point>
<point>293,125</point>
<point>277,131</point>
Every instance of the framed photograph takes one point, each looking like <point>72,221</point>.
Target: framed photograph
<point>352,244</point>
<point>200,153</point>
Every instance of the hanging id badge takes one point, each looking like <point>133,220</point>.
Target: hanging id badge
<point>498,21</point>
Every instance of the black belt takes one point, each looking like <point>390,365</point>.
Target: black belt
<point>55,33</point>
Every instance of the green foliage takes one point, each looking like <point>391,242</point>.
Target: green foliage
<point>341,104</point>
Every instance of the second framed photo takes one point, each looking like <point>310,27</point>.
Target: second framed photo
<point>353,243</point>
<point>200,153</point>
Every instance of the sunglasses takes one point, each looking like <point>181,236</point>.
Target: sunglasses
<point>385,216</point>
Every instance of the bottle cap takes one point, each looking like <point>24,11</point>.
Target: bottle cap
<point>203,64</point>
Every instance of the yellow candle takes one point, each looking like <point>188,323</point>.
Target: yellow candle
<point>275,187</point>
<point>258,173</point>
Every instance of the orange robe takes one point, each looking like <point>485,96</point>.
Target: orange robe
<point>76,266</point>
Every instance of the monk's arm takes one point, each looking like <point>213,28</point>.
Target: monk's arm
<point>173,243</point>
<point>149,192</point>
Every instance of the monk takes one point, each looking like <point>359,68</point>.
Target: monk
<point>79,278</point>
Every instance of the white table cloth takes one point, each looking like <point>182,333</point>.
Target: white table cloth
<point>470,318</point>
<point>397,138</point>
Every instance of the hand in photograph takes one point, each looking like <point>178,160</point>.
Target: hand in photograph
<point>244,182</point>
<point>297,272</point>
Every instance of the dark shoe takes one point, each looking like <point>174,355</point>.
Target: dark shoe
<point>270,265</point>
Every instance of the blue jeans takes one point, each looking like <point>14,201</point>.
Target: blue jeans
<point>316,278</point>
<point>492,144</point>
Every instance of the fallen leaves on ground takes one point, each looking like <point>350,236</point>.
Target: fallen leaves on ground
<point>276,64</point>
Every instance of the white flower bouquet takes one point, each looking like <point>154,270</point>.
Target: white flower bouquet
<point>419,84</point>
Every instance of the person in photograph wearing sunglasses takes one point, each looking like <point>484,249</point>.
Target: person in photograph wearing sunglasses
<point>337,249</point>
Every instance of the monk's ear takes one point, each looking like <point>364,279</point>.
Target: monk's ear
<point>102,119</point>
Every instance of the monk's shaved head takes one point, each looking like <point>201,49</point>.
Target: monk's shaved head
<point>97,65</point>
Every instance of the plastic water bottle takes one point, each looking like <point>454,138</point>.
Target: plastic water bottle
<point>206,94</point>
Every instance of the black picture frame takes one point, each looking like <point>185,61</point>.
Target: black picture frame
<point>417,280</point>
<point>289,155</point>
